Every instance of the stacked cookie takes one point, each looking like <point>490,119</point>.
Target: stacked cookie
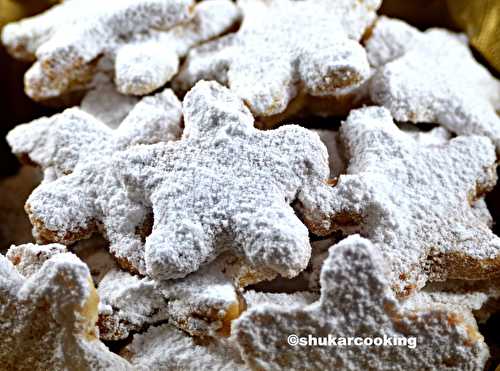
<point>211,240</point>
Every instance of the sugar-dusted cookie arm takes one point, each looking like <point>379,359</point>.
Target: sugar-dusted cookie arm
<point>144,66</point>
<point>23,38</point>
<point>263,229</point>
<point>357,302</point>
<point>51,142</point>
<point>209,61</point>
<point>153,119</point>
<point>390,40</point>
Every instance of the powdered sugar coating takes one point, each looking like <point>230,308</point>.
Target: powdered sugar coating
<point>224,186</point>
<point>48,319</point>
<point>436,136</point>
<point>107,105</point>
<point>414,201</point>
<point>482,296</point>
<point>68,40</point>
<point>432,77</point>
<point>202,304</point>
<point>128,303</point>
<point>150,62</point>
<point>284,48</point>
<point>356,300</point>
<point>254,299</point>
<point>29,258</point>
<point>81,196</point>
<point>464,302</point>
<point>148,351</point>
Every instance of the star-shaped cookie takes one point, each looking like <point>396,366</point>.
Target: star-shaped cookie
<point>225,186</point>
<point>414,201</point>
<point>285,48</point>
<point>49,315</point>
<point>79,196</point>
<point>144,39</point>
<point>357,304</point>
<point>432,77</point>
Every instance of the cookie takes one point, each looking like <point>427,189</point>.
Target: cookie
<point>356,301</point>
<point>144,38</point>
<point>284,50</point>
<point>202,304</point>
<point>432,77</point>
<point>225,186</point>
<point>79,196</point>
<point>128,304</point>
<point>480,296</point>
<point>48,316</point>
<point>29,258</point>
<point>414,201</point>
<point>148,352</point>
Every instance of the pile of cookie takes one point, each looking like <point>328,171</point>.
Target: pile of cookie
<point>183,221</point>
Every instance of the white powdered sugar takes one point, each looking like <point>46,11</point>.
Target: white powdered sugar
<point>414,201</point>
<point>48,318</point>
<point>202,304</point>
<point>299,298</point>
<point>166,348</point>
<point>149,62</point>
<point>127,304</point>
<point>67,41</point>
<point>481,296</point>
<point>107,105</point>
<point>225,186</point>
<point>29,258</point>
<point>432,77</point>
<point>81,196</point>
<point>356,301</point>
<point>284,48</point>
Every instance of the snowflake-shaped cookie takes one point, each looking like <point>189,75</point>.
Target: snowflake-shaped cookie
<point>432,77</point>
<point>414,201</point>
<point>144,38</point>
<point>79,195</point>
<point>225,186</point>
<point>48,316</point>
<point>284,48</point>
<point>357,302</point>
